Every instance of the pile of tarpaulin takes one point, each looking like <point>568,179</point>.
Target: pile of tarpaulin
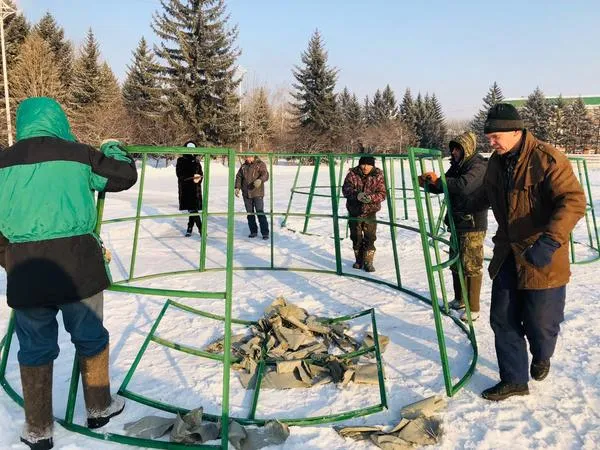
<point>301,351</point>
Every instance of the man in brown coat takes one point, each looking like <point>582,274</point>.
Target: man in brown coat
<point>536,200</point>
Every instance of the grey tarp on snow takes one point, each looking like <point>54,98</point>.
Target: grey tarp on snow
<point>303,350</point>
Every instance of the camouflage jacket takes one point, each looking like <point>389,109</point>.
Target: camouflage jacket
<point>372,184</point>
<point>248,174</point>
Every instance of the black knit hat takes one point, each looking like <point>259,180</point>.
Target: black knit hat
<point>503,117</point>
<point>366,160</point>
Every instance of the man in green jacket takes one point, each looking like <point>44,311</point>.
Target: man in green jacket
<point>53,259</point>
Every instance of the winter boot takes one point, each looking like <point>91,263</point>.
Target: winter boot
<point>101,407</point>
<point>189,230</point>
<point>504,390</point>
<point>368,264</point>
<point>539,369</point>
<point>474,290</point>
<point>358,256</point>
<point>37,399</point>
<point>458,302</point>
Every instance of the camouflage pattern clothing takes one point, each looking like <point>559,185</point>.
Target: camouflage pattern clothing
<point>471,252</point>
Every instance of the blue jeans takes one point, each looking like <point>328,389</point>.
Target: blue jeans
<point>37,330</point>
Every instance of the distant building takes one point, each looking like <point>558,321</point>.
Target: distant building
<point>592,102</point>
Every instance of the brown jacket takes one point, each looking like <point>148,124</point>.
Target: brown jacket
<point>546,198</point>
<point>247,174</point>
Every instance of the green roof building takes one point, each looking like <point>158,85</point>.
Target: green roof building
<point>591,101</point>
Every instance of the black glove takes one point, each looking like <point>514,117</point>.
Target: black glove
<point>540,253</point>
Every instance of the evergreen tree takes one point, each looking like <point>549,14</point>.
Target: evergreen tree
<point>353,114</point>
<point>35,72</point>
<point>315,85</point>
<point>537,114</point>
<point>436,125</point>
<point>197,54</point>
<point>368,112</point>
<point>86,82</point>
<point>16,29</point>
<point>141,90</point>
<point>258,121</point>
<point>493,97</point>
<point>558,108</point>
<point>578,126</point>
<point>62,49</point>
<point>390,104</point>
<point>378,114</point>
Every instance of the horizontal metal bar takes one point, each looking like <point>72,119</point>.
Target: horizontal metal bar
<point>117,287</point>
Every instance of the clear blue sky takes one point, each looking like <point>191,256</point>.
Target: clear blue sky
<point>455,49</point>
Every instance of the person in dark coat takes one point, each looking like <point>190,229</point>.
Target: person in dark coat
<point>364,189</point>
<point>250,181</point>
<point>465,176</point>
<point>537,201</point>
<point>54,260</point>
<point>189,182</point>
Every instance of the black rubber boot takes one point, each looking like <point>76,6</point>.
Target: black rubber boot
<point>539,369</point>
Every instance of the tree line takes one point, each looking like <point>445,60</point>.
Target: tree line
<point>188,87</point>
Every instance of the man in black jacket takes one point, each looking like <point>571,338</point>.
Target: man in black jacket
<point>465,176</point>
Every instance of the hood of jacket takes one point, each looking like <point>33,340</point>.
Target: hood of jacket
<point>42,116</point>
<point>468,142</point>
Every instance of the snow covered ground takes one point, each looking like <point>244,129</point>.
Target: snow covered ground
<point>562,412</point>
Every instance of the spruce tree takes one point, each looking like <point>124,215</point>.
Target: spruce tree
<point>141,90</point>
<point>536,114</point>
<point>578,127</point>
<point>390,104</point>
<point>86,82</point>
<point>197,57</point>
<point>16,29</point>
<point>493,97</point>
<point>368,112</point>
<point>315,104</point>
<point>353,114</point>
<point>378,111</point>
<point>558,109</point>
<point>436,123</point>
<point>62,49</point>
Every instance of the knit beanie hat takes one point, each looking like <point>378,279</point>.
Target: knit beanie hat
<point>366,160</point>
<point>503,117</point>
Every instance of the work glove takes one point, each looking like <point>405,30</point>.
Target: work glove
<point>237,192</point>
<point>197,178</point>
<point>113,148</point>
<point>107,255</point>
<point>540,252</point>
<point>363,198</point>
<point>431,177</point>
<point>257,183</point>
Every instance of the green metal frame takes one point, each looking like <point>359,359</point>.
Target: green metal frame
<point>426,229</point>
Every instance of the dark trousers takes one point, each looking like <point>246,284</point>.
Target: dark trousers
<point>37,330</point>
<point>194,220</point>
<point>256,205</point>
<point>518,313</point>
<point>363,234</point>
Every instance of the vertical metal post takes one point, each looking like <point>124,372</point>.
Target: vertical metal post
<point>205,202</point>
<point>311,193</point>
<point>228,300</point>
<point>335,208</point>
<point>271,182</point>
<point>404,201</point>
<point>392,214</point>
<point>137,216</point>
<point>99,212</point>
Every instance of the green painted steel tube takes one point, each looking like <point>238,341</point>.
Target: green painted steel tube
<point>137,216</point>
<point>208,315</point>
<point>72,399</point>
<point>7,341</point>
<point>334,211</point>
<point>592,211</point>
<point>430,276</point>
<point>165,292</point>
<point>228,305</point>
<point>189,350</point>
<point>143,348</point>
<point>284,221</point>
<point>392,214</point>
<point>311,193</point>
<point>404,189</point>
<point>258,379</point>
<point>380,375</point>
<point>205,202</point>
<point>205,197</point>
<point>99,212</point>
<point>271,208</point>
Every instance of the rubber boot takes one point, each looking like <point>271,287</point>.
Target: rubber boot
<point>458,302</point>
<point>474,290</point>
<point>358,256</point>
<point>368,264</point>
<point>37,399</point>
<point>101,407</point>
